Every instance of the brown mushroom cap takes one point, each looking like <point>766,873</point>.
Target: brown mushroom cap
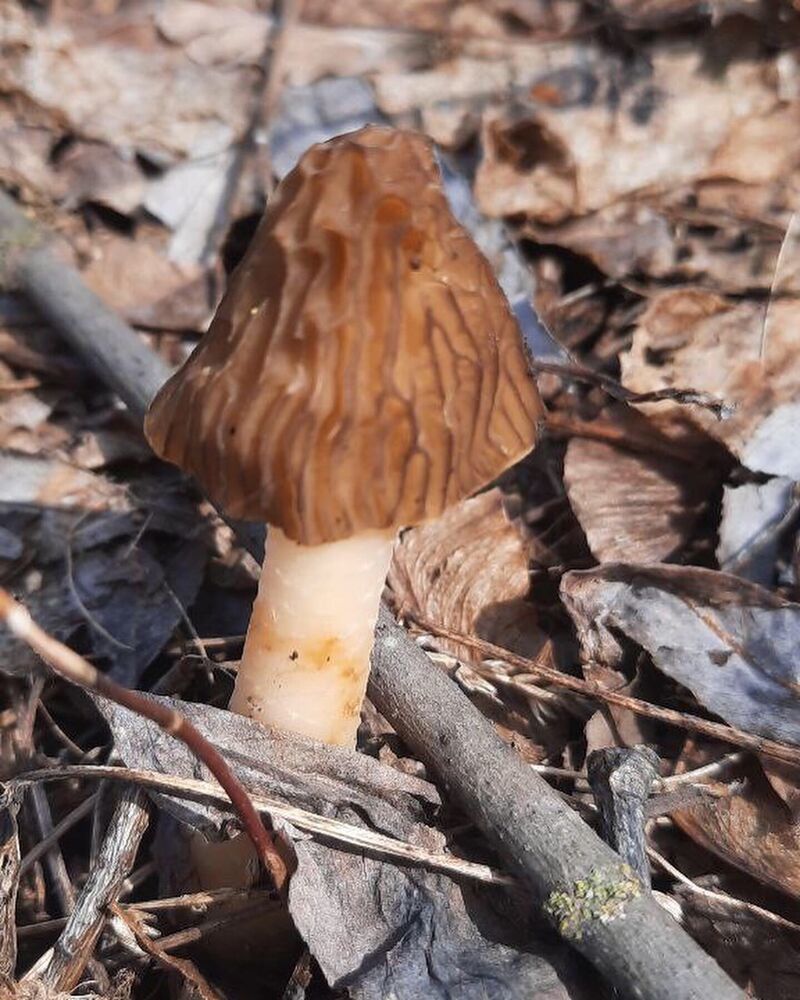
<point>364,370</point>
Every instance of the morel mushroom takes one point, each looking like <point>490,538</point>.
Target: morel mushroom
<point>363,373</point>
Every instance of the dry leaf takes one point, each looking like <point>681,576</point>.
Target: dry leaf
<point>733,644</point>
<point>92,171</point>
<point>553,163</point>
<point>150,99</point>
<point>751,828</point>
<point>752,517</point>
<point>138,280</point>
<point>48,482</point>
<point>694,338</point>
<point>468,571</point>
<point>229,35</point>
<point>377,928</point>
<point>633,506</point>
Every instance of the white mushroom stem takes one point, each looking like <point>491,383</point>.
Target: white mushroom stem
<point>306,658</point>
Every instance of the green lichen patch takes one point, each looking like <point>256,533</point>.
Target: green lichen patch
<point>601,896</point>
<point>14,242</point>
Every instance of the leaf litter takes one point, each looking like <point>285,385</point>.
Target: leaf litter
<point>632,172</point>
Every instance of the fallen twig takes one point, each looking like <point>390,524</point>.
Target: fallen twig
<point>9,879</point>
<point>729,902</point>
<point>587,689</point>
<point>616,390</point>
<point>323,826</point>
<point>79,671</point>
<point>61,968</point>
<point>186,968</point>
<point>58,830</point>
<point>621,780</point>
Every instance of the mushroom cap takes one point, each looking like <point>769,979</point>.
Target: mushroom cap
<point>364,370</point>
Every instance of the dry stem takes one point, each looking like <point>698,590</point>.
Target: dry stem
<point>79,671</point>
<point>587,689</point>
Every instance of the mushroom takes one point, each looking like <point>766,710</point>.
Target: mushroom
<point>363,373</point>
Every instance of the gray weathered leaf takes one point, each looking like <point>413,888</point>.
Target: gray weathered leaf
<point>752,515</point>
<point>377,928</point>
<point>733,644</point>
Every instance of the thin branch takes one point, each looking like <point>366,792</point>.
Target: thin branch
<point>730,902</point>
<point>587,689</point>
<point>63,966</point>
<point>79,671</point>
<point>58,831</point>
<point>184,966</point>
<point>616,390</point>
<point>323,826</point>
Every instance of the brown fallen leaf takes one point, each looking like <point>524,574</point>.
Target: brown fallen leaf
<point>748,825</point>
<point>468,570</point>
<point>146,97</point>
<point>49,482</point>
<point>554,163</point>
<point>137,279</point>
<point>692,337</point>
<point>484,19</point>
<point>634,506</point>
<point>93,171</point>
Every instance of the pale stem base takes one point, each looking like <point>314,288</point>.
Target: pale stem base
<point>306,658</point>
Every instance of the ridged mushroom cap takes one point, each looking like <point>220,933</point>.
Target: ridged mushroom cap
<point>364,370</point>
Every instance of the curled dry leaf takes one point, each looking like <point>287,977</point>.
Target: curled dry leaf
<point>468,571</point>
<point>733,644</point>
<point>379,929</point>
<point>692,337</point>
<point>747,824</point>
<point>633,506</point>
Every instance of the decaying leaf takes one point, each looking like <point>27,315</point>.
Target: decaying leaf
<point>137,279</point>
<point>733,644</point>
<point>105,560</point>
<point>145,98</point>
<point>634,506</point>
<point>49,482</point>
<point>749,532</point>
<point>692,337</point>
<point>567,160</point>
<point>747,824</point>
<point>468,571</point>
<point>376,928</point>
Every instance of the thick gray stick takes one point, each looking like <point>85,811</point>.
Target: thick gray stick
<point>595,901</point>
<point>116,355</point>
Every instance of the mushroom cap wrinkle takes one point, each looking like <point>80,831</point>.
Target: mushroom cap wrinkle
<point>364,370</point>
